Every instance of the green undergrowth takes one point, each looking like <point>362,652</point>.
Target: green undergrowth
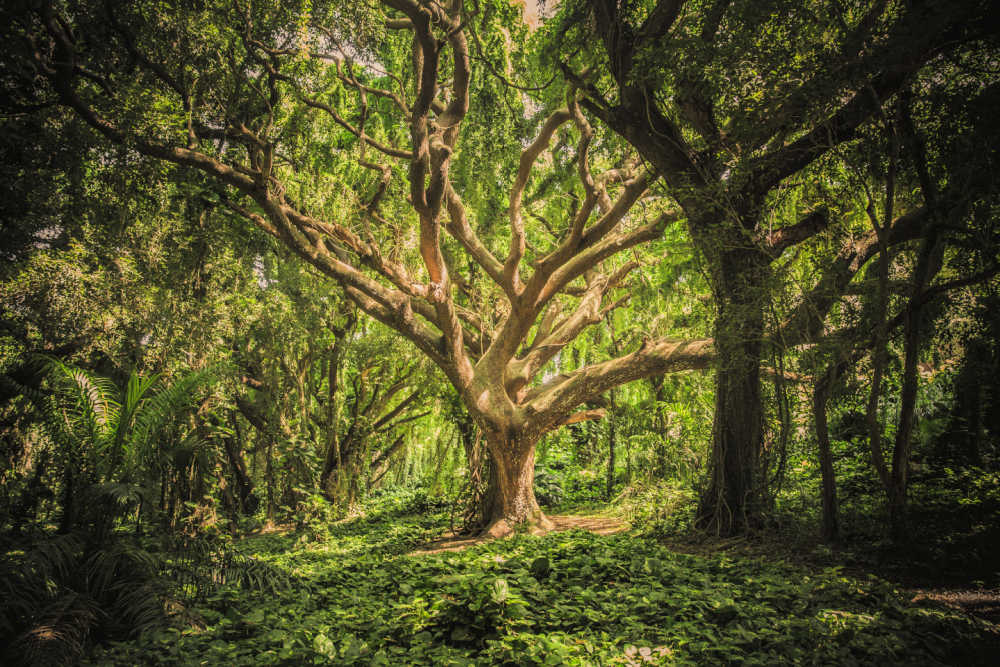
<point>952,536</point>
<point>568,598</point>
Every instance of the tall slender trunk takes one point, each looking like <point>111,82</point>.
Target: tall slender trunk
<point>512,495</point>
<point>613,398</point>
<point>68,518</point>
<point>830,530</point>
<point>925,270</point>
<point>659,394</point>
<point>610,488</point>
<point>929,261</point>
<point>879,352</point>
<point>785,423</point>
<point>163,492</point>
<point>332,459</point>
<point>171,500</point>
<point>874,425</point>
<point>269,477</point>
<point>244,485</point>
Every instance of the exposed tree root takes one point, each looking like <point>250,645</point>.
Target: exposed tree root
<point>536,525</point>
<point>599,525</point>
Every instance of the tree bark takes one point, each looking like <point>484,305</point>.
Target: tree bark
<point>68,518</point>
<point>880,353</point>
<point>732,501</point>
<point>656,382</point>
<point>928,264</point>
<point>512,494</point>
<point>244,485</point>
<point>269,477</point>
<point>610,488</point>
<point>830,529</point>
<point>331,463</point>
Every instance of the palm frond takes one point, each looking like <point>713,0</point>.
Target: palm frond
<point>59,593</point>
<point>124,495</point>
<point>54,559</point>
<point>86,410</point>
<point>58,632</point>
<point>133,400</point>
<point>199,566</point>
<point>163,406</point>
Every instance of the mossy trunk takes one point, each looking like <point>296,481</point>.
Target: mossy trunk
<point>733,500</point>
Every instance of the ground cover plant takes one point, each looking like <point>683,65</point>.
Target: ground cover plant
<point>363,596</point>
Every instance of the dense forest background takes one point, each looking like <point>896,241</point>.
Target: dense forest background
<point>289,289</point>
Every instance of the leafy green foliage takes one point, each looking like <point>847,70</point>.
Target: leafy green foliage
<point>112,440</point>
<point>128,272</point>
<point>62,593</point>
<point>567,598</point>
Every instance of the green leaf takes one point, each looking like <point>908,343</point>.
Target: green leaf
<point>500,591</point>
<point>324,646</point>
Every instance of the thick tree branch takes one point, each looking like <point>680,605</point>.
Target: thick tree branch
<point>805,324</point>
<point>530,154</point>
<point>781,239</point>
<point>554,400</point>
<point>660,20</point>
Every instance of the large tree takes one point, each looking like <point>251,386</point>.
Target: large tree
<point>736,104</point>
<point>272,101</point>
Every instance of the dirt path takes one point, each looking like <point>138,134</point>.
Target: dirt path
<point>599,525</point>
<point>983,603</point>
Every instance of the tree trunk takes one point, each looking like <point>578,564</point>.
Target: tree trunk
<point>830,530</point>
<point>732,502</point>
<point>234,453</point>
<point>659,395</point>
<point>904,430</point>
<point>612,413</point>
<point>511,497</point>
<point>331,464</point>
<point>333,449</point>
<point>611,454</point>
<point>67,520</point>
<point>929,261</point>
<point>879,359</point>
<point>269,477</point>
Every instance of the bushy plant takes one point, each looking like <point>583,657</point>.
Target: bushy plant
<point>658,507</point>
<point>549,487</point>
<point>63,593</point>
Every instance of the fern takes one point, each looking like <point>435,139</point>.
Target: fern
<point>201,566</point>
<point>58,596</point>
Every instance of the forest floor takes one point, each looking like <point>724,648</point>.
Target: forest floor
<point>589,593</point>
<point>966,595</point>
<point>979,602</point>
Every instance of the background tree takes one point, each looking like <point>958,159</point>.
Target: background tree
<point>734,104</point>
